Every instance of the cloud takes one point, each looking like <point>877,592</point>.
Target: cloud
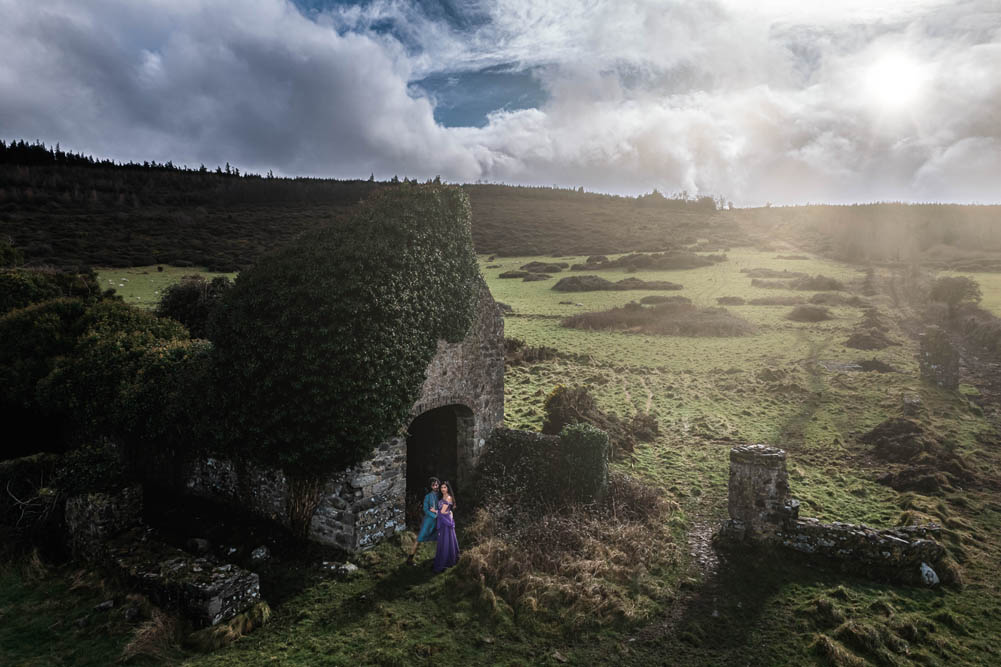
<point>781,102</point>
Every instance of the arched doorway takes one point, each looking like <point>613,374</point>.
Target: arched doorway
<point>435,442</point>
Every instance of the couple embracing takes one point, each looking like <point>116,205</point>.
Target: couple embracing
<point>438,526</point>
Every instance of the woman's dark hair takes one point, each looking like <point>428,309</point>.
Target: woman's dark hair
<point>451,491</point>
<point>431,482</point>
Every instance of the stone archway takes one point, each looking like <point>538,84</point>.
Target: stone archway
<point>437,441</point>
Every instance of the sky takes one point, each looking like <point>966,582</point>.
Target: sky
<point>777,101</point>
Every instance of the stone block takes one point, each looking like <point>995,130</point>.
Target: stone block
<point>204,590</point>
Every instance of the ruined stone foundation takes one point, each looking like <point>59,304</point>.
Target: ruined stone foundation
<point>761,512</point>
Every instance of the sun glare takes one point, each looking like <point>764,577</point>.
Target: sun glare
<point>894,82</point>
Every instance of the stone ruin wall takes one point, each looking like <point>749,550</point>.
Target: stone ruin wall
<point>365,503</point>
<point>761,511</point>
<point>106,529</point>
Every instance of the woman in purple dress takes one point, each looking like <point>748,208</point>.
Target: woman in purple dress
<point>447,553</point>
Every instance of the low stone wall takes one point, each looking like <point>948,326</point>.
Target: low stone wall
<point>896,553</point>
<point>761,512</point>
<point>203,590</point>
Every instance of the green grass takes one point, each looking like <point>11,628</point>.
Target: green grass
<point>708,394</point>
<point>142,285</point>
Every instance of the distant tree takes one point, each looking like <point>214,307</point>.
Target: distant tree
<point>954,290</point>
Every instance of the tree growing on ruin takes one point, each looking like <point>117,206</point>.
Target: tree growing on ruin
<point>322,347</point>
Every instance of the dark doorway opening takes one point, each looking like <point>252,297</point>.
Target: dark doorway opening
<point>433,445</point>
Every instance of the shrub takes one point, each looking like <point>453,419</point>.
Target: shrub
<point>31,340</point>
<point>567,405</point>
<point>954,290</point>
<point>328,339</point>
<point>517,464</point>
<point>23,287</point>
<point>85,386</point>
<point>191,301</point>
<point>809,313</point>
<point>170,400</point>
<point>585,455</point>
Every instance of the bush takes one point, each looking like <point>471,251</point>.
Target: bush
<point>552,471</point>
<point>567,405</point>
<point>809,314</point>
<point>326,341</point>
<point>23,287</point>
<point>85,387</point>
<point>517,464</point>
<point>585,455</point>
<point>191,301</point>
<point>31,340</point>
<point>954,290</point>
<point>170,401</point>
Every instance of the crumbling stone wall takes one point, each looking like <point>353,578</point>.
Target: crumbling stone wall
<point>106,528</point>
<point>204,590</point>
<point>762,512</point>
<point>92,519</point>
<point>366,503</point>
<point>938,359</point>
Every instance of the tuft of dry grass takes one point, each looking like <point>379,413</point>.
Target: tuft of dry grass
<point>586,563</point>
<point>210,639</point>
<point>156,639</point>
<point>835,653</point>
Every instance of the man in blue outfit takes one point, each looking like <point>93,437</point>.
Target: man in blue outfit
<point>429,526</point>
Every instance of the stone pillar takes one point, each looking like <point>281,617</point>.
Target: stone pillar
<point>759,500</point>
<point>938,359</point>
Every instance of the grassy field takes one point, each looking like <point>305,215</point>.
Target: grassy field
<point>780,386</point>
<point>141,285</point>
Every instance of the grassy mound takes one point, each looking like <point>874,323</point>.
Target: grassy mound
<point>668,319</point>
<point>808,313</point>
<point>599,284</point>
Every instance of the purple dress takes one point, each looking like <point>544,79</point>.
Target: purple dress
<point>447,553</point>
